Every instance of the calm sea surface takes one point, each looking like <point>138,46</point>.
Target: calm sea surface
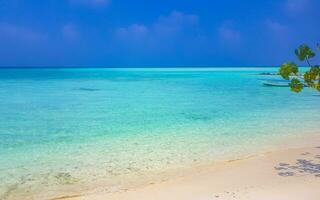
<point>62,129</point>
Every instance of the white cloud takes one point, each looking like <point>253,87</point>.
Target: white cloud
<point>276,27</point>
<point>228,34</point>
<point>278,33</point>
<point>165,26</point>
<point>174,23</point>
<point>20,33</point>
<point>70,32</point>
<point>134,31</point>
<point>296,7</point>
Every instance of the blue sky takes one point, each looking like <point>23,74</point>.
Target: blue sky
<point>142,33</point>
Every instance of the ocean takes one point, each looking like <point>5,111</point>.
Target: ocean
<point>74,130</point>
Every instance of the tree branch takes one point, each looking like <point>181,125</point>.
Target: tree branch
<point>307,59</point>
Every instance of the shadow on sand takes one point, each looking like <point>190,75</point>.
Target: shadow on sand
<point>301,167</point>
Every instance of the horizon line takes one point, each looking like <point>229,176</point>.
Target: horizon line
<point>115,67</point>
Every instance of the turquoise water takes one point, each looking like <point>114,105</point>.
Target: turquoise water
<point>65,129</point>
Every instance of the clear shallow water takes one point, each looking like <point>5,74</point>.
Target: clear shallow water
<point>79,128</point>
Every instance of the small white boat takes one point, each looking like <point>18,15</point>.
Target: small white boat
<point>276,83</point>
<point>279,83</point>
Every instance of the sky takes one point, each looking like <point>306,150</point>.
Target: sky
<point>151,33</point>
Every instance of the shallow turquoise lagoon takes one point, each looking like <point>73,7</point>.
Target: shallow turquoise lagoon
<point>88,127</point>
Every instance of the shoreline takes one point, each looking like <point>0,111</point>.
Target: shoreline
<point>242,169</point>
<point>254,176</point>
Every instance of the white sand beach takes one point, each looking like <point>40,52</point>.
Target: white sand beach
<point>279,175</point>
